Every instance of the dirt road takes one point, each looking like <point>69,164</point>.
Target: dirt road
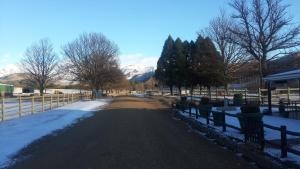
<point>132,133</point>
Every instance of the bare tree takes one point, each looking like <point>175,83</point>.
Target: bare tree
<point>93,60</point>
<point>40,63</point>
<point>233,55</point>
<point>264,29</point>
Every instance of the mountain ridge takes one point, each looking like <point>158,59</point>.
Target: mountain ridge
<point>138,73</point>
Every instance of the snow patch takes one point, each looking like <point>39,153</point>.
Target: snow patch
<point>18,133</point>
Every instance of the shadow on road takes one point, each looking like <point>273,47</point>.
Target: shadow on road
<point>144,137</point>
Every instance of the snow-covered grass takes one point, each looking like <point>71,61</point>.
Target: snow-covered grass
<point>277,154</point>
<point>138,94</point>
<point>291,124</point>
<point>18,133</point>
<point>12,106</point>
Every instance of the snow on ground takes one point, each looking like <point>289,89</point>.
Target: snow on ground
<point>292,125</point>
<point>18,133</point>
<point>277,153</point>
<point>138,94</point>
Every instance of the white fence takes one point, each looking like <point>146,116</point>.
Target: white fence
<point>261,95</point>
<point>14,107</point>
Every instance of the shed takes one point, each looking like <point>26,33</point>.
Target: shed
<point>6,89</point>
<point>289,75</point>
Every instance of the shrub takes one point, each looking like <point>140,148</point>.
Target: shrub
<point>246,109</point>
<point>218,103</point>
<point>282,111</point>
<point>238,99</point>
<point>204,100</point>
<point>183,98</point>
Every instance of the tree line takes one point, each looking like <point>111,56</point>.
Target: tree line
<point>257,31</point>
<point>91,60</point>
<point>187,64</point>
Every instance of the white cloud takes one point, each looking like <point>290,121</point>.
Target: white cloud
<point>138,59</point>
<point>9,60</point>
<point>9,69</point>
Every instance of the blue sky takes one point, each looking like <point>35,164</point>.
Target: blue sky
<point>139,27</point>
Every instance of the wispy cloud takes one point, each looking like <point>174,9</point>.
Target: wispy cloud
<point>138,59</point>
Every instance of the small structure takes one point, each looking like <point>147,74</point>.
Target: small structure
<point>28,89</point>
<point>284,76</point>
<point>6,89</point>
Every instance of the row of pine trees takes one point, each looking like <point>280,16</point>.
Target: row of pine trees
<point>189,64</point>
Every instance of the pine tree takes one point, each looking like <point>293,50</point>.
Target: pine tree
<point>165,65</point>
<point>205,65</point>
<point>191,74</point>
<point>180,64</point>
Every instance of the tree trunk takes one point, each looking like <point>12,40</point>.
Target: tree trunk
<point>200,91</point>
<point>41,90</point>
<point>191,92</point>
<point>262,72</point>
<point>209,92</point>
<point>179,88</point>
<point>171,90</point>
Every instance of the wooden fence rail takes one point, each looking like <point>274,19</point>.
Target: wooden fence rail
<point>260,95</point>
<point>283,146</point>
<point>15,107</point>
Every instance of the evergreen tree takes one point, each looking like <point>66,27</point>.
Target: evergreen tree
<point>205,65</point>
<point>195,63</point>
<point>165,65</point>
<point>213,67</point>
<point>191,74</point>
<point>180,64</point>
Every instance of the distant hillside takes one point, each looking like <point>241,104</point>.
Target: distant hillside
<point>18,79</point>
<point>286,63</point>
<point>138,73</point>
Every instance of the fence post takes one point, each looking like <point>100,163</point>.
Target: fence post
<point>57,100</point>
<point>43,103</point>
<point>63,99</point>
<point>68,98</point>
<point>246,101</point>
<point>2,108</point>
<point>32,105</point>
<point>20,106</point>
<point>223,121</point>
<point>288,94</point>
<point>259,97</point>
<point>72,98</point>
<point>207,118</point>
<point>283,144</point>
<point>51,102</point>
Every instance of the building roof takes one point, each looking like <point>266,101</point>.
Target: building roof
<point>2,84</point>
<point>289,75</point>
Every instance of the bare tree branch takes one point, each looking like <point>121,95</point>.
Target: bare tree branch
<point>93,60</point>
<point>264,29</point>
<point>40,64</point>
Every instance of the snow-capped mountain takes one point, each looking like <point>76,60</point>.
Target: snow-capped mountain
<point>9,69</point>
<point>138,73</point>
